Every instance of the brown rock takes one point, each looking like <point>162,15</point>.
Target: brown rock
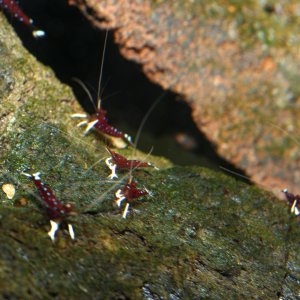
<point>237,66</point>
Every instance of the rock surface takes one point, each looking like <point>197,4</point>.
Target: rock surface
<point>236,64</point>
<point>200,235</point>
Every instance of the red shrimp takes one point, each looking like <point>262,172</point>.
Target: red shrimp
<point>129,193</point>
<point>121,162</point>
<point>56,210</point>
<point>15,10</point>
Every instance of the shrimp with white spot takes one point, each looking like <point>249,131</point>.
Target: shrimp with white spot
<point>56,210</point>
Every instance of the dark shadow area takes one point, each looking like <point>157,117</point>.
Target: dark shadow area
<point>73,48</point>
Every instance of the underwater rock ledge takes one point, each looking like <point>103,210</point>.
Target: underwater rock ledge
<point>235,63</point>
<point>200,235</point>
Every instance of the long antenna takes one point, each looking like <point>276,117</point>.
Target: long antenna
<point>248,179</point>
<point>285,132</point>
<point>236,174</point>
<point>101,71</point>
<point>153,105</point>
<point>145,118</point>
<point>138,134</point>
<point>85,89</point>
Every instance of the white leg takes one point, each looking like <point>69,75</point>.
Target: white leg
<point>82,123</point>
<point>38,33</point>
<point>79,116</point>
<point>112,167</point>
<point>26,174</point>
<point>71,231</point>
<point>125,212</point>
<point>149,193</point>
<point>90,126</point>
<point>294,209</point>
<point>128,138</point>
<point>54,228</point>
<point>36,176</point>
<point>120,197</point>
<point>119,201</point>
<point>118,193</point>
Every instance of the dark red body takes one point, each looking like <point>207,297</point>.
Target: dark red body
<point>290,197</point>
<point>15,10</point>
<point>126,164</point>
<point>131,192</point>
<point>104,127</point>
<point>55,208</point>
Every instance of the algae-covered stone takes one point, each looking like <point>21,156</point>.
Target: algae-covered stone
<point>200,235</point>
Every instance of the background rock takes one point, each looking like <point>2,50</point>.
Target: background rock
<point>235,63</point>
<point>201,234</point>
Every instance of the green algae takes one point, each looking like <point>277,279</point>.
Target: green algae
<point>173,244</point>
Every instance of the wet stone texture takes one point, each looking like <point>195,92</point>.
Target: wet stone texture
<point>200,235</point>
<point>237,65</point>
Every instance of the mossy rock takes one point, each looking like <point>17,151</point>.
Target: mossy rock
<point>200,235</point>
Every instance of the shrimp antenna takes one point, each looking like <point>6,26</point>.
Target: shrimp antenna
<point>158,99</point>
<point>101,71</point>
<point>84,87</point>
<point>137,137</point>
<point>139,132</point>
<point>285,132</point>
<point>249,181</point>
<point>153,105</point>
<point>235,173</point>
